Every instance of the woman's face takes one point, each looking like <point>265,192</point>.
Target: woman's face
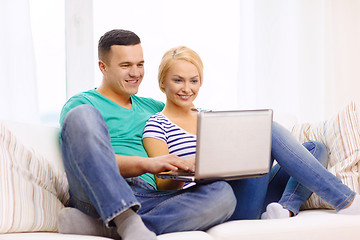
<point>181,84</point>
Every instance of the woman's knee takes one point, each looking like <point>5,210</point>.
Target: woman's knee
<point>318,150</point>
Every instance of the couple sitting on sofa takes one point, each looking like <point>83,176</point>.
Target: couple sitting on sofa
<point>110,164</point>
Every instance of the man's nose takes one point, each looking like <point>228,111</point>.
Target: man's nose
<point>135,71</point>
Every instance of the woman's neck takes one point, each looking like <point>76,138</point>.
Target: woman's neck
<point>181,116</point>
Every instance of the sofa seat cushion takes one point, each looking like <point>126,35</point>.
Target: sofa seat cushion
<point>309,225</point>
<point>47,236</point>
<point>193,235</point>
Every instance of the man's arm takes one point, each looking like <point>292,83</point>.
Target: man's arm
<point>133,166</point>
<point>156,148</point>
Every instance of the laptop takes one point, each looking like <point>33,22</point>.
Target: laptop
<point>230,145</point>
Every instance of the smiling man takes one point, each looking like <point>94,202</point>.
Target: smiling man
<point>110,176</point>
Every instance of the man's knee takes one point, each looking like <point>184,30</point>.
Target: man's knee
<point>81,113</point>
<point>224,200</point>
<point>82,120</point>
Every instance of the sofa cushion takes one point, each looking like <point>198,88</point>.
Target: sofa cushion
<point>341,135</point>
<point>48,236</point>
<point>31,187</point>
<point>307,225</point>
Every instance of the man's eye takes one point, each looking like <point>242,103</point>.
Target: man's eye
<point>140,65</point>
<point>124,65</point>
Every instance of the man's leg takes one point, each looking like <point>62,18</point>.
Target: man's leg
<point>196,208</point>
<point>96,186</point>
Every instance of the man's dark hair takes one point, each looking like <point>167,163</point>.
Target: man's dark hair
<point>116,37</point>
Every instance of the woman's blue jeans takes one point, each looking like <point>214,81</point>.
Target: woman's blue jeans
<point>297,161</point>
<point>285,189</point>
<point>98,189</point>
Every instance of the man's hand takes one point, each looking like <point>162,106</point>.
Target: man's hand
<point>132,166</point>
<point>168,162</point>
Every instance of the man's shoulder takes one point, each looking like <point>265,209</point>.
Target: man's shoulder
<point>149,102</point>
<point>146,99</point>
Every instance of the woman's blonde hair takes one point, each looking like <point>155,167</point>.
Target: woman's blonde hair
<point>179,53</point>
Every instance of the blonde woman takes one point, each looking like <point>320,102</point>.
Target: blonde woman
<point>173,131</point>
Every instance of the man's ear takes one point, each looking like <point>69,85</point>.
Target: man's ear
<point>102,66</point>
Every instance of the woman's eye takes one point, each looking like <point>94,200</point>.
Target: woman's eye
<point>177,80</point>
<point>195,80</point>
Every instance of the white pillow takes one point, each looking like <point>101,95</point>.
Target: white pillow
<point>31,189</point>
<point>341,135</point>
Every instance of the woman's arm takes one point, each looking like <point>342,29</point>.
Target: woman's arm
<point>155,148</point>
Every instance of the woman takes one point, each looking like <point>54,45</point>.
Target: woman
<point>174,131</point>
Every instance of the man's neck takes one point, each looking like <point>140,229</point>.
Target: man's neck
<point>122,100</point>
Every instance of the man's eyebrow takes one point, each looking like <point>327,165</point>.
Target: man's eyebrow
<point>130,63</point>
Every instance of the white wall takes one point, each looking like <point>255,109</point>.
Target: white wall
<point>342,54</point>
<point>206,26</point>
<point>299,57</point>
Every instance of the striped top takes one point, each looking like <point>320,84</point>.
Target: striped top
<point>179,141</point>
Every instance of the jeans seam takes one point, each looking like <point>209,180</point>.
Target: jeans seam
<point>120,211</point>
<point>85,180</point>
<point>346,201</point>
<point>297,157</point>
<point>288,207</point>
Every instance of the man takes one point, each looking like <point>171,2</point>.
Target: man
<point>109,173</point>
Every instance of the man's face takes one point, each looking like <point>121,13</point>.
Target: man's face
<point>123,69</point>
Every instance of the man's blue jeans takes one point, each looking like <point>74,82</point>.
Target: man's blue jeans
<point>98,189</point>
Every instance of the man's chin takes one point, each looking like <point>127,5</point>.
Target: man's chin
<point>133,92</point>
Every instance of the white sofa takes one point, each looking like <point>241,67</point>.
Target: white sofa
<point>308,225</point>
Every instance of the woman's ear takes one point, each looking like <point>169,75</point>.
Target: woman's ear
<point>162,85</point>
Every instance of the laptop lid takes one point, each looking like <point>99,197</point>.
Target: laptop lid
<point>230,145</point>
<point>233,144</point>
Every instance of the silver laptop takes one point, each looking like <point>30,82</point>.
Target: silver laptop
<point>230,145</point>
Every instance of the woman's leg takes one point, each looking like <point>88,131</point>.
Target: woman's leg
<point>296,194</point>
<point>250,195</point>
<point>299,163</point>
<point>286,190</point>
